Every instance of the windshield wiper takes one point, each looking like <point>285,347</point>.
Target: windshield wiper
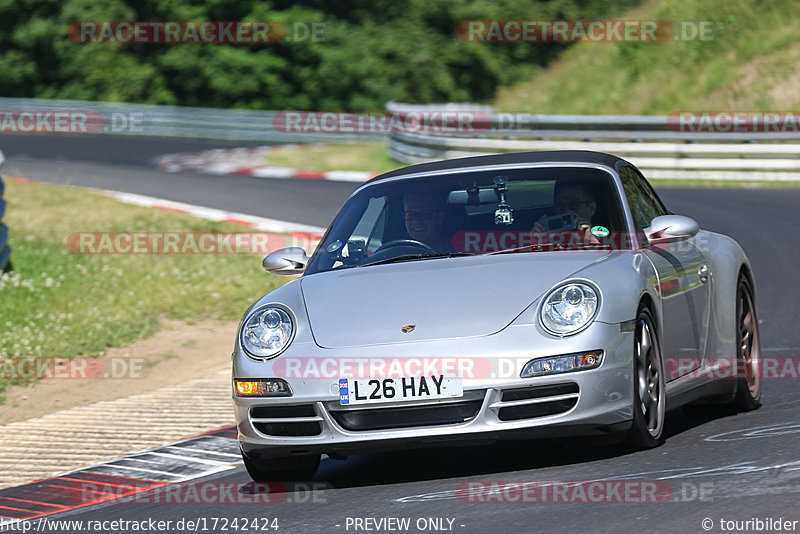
<point>412,257</point>
<point>560,247</point>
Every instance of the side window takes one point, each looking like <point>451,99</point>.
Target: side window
<point>644,204</point>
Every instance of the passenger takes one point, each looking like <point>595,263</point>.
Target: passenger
<point>572,198</point>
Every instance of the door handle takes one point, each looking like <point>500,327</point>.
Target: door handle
<point>703,272</point>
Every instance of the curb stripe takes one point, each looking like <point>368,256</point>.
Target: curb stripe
<point>221,162</point>
<point>69,491</point>
<point>213,214</point>
<point>296,231</point>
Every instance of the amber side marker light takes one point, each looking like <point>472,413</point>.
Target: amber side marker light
<point>262,387</point>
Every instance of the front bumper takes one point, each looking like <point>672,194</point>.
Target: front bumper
<point>596,401</point>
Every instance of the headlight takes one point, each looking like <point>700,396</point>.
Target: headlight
<point>569,308</point>
<point>266,332</point>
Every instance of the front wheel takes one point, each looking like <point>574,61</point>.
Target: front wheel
<point>294,469</point>
<point>649,397</point>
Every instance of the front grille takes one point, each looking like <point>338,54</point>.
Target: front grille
<point>303,410</point>
<point>298,420</point>
<point>537,401</point>
<point>538,392</point>
<point>531,411</point>
<point>407,416</point>
<point>288,429</point>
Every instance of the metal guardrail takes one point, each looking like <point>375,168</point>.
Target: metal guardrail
<point>650,142</point>
<point>108,118</point>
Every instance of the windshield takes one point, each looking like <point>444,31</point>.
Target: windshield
<point>509,211</point>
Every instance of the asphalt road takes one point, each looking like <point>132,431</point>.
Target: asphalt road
<point>721,467</point>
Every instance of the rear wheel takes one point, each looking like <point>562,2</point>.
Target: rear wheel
<point>748,350</point>
<point>296,468</point>
<point>649,397</point>
<point>748,361</point>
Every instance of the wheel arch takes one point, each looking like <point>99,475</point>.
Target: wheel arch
<point>728,263</point>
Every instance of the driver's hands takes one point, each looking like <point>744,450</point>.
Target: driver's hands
<point>582,226</point>
<point>538,226</point>
<point>585,231</point>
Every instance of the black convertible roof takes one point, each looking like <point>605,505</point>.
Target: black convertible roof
<point>580,156</point>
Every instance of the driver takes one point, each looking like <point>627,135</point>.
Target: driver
<point>575,198</point>
<point>424,217</point>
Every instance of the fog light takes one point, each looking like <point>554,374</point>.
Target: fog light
<point>266,387</point>
<point>562,364</point>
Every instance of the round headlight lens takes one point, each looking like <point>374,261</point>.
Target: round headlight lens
<point>266,332</point>
<point>569,308</point>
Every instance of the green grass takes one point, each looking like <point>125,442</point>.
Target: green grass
<point>368,157</point>
<point>56,303</point>
<point>751,64</point>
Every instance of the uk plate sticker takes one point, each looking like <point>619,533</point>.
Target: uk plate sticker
<point>599,231</point>
<point>344,392</point>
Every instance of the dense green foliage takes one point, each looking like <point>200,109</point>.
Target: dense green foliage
<point>374,51</point>
<point>750,63</point>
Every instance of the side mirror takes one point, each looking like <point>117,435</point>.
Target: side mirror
<point>292,260</point>
<point>669,228</point>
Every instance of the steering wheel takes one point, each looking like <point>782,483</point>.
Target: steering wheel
<point>403,243</point>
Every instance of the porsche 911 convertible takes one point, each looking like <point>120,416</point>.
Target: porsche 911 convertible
<point>526,295</point>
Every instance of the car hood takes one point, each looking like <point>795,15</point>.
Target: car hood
<point>443,298</point>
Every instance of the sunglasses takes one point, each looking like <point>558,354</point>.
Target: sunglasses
<point>423,215</point>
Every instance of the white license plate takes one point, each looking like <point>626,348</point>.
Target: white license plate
<point>372,390</point>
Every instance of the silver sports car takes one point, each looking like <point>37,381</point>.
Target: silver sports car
<point>541,294</point>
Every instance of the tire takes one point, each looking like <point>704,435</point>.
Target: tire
<point>747,393</point>
<point>649,390</point>
<point>295,469</point>
<point>748,350</point>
